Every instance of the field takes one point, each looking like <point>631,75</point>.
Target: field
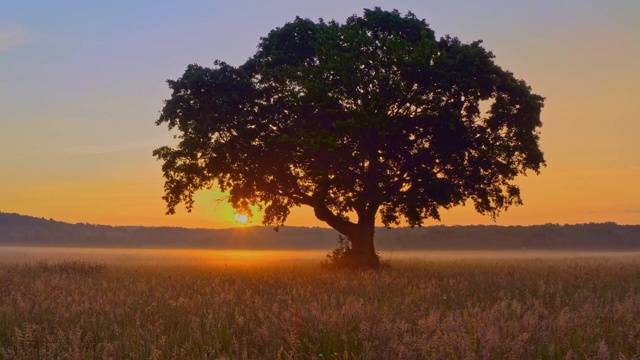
<point>58,303</point>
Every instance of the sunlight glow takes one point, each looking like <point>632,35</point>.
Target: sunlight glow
<point>239,218</point>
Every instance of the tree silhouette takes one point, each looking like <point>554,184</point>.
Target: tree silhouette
<point>373,117</point>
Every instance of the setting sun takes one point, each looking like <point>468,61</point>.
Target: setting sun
<point>239,218</point>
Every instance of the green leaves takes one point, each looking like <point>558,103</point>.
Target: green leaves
<point>375,113</point>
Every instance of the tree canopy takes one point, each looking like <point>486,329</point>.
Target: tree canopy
<point>371,117</point>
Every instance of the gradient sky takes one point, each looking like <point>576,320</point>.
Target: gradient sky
<point>81,85</point>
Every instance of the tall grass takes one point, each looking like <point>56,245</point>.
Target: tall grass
<point>450,309</point>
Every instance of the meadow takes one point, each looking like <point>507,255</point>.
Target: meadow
<point>61,303</point>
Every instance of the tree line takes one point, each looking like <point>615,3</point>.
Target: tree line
<point>20,230</point>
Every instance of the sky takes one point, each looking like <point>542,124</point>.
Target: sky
<point>82,83</point>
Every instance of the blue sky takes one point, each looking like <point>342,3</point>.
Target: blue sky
<point>81,85</point>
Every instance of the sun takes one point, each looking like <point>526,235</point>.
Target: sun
<point>240,218</point>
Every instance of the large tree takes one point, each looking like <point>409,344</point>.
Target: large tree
<point>372,117</point>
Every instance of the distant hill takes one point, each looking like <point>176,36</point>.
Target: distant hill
<point>20,230</point>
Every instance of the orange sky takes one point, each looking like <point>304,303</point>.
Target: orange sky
<point>81,87</point>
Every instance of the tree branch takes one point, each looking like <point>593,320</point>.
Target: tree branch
<point>343,226</point>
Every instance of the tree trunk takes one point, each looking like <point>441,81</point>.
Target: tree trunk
<point>363,253</point>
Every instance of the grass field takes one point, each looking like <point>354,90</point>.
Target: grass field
<point>164,304</point>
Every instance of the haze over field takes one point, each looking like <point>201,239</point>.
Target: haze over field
<point>284,258</point>
<point>81,86</point>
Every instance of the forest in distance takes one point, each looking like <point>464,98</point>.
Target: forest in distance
<point>21,230</point>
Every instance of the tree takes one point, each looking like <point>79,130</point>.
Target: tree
<point>373,117</point>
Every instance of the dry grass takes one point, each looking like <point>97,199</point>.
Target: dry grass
<point>449,309</point>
